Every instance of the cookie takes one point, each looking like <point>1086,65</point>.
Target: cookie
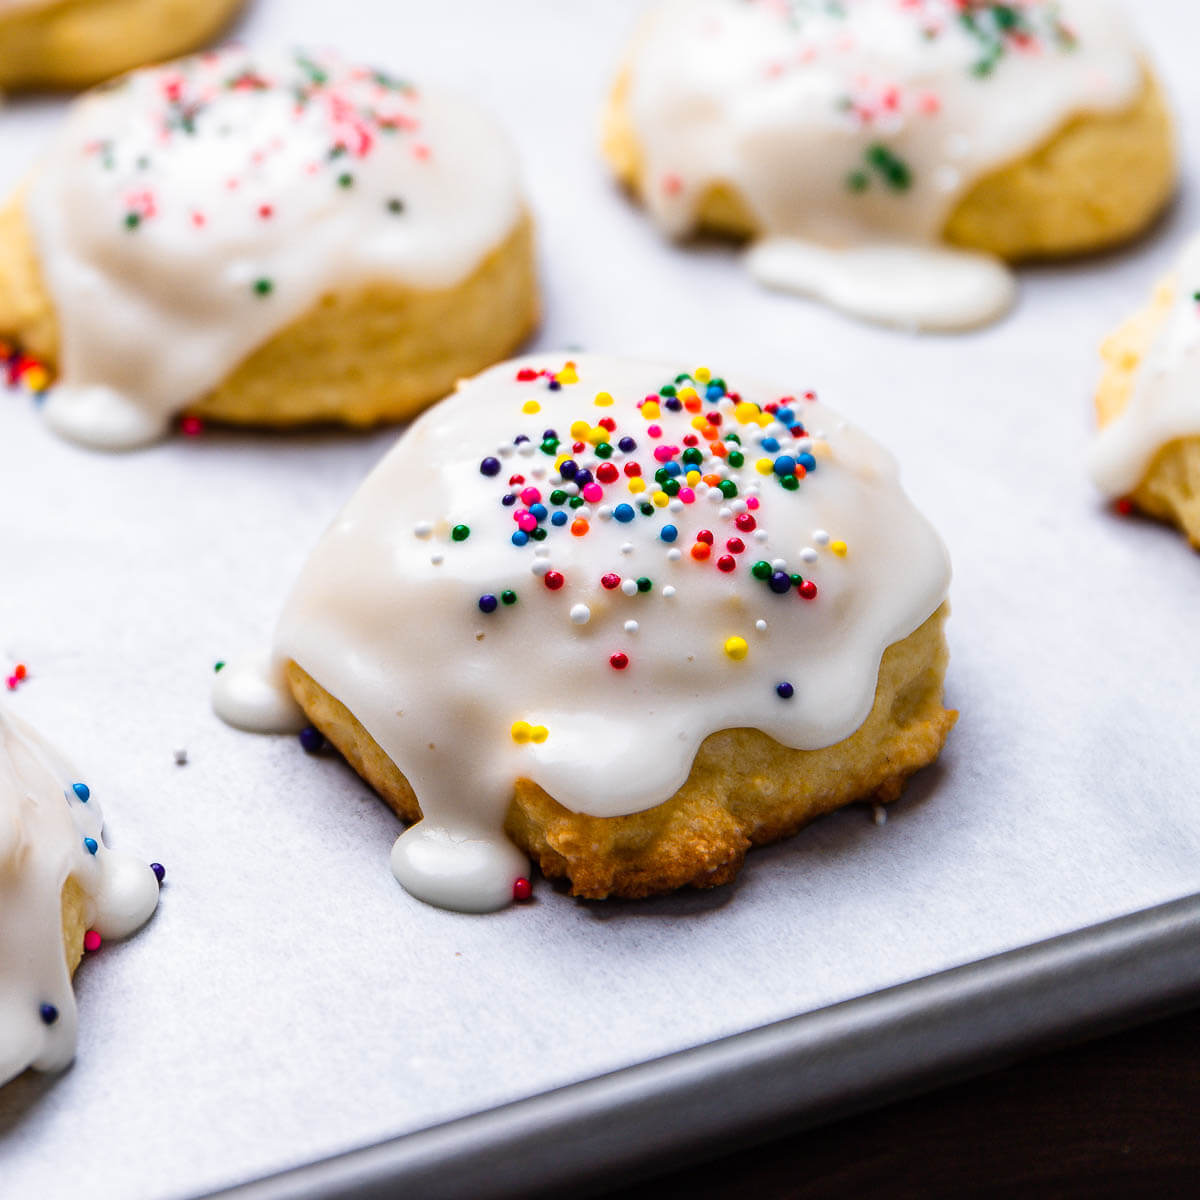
<point>313,240</point>
<point>887,156</point>
<point>1147,454</point>
<point>60,886</point>
<point>76,43</point>
<point>619,618</point>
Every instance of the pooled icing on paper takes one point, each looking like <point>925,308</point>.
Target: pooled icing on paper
<point>50,830</point>
<point>846,123</point>
<point>189,212</point>
<point>575,573</point>
<point>1164,404</point>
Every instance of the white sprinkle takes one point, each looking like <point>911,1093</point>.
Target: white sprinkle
<point>538,471</point>
<point>958,145</point>
<point>675,505</point>
<point>604,512</point>
<point>947,178</point>
<point>554,480</point>
<point>809,555</point>
<point>725,512</point>
<point>525,449</point>
<point>760,535</point>
<point>181,757</point>
<point>541,552</point>
<point>879,814</point>
<point>580,614</point>
<point>674,554</point>
<point>422,529</point>
<point>437,559</point>
<point>821,537</point>
<point>778,564</point>
<point>572,489</point>
<point>715,495</point>
<point>540,567</point>
<point>738,507</point>
<point>629,587</point>
<point>584,511</point>
<point>626,547</point>
<point>803,445</point>
<point>631,627</point>
<point>504,451</point>
<point>760,625</point>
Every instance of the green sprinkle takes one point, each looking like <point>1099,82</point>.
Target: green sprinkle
<point>666,390</point>
<point>508,596</point>
<point>575,502</point>
<point>604,450</point>
<point>790,482</point>
<point>761,569</point>
<point>644,584</point>
<point>263,287</point>
<point>736,458</point>
<point>558,496</point>
<point>671,487</point>
<point>538,535</point>
<point>395,205</point>
<point>460,533</point>
<point>858,181</point>
<point>647,508</point>
<point>728,488</point>
<point>693,455</point>
<point>345,180</point>
<point>132,220</point>
<point>219,665</point>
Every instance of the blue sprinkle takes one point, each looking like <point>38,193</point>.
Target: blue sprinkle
<point>91,845</point>
<point>668,533</point>
<point>623,513</point>
<point>554,385</point>
<point>785,691</point>
<point>770,444</point>
<point>807,461</point>
<point>488,603</point>
<point>785,464</point>
<point>627,444</point>
<point>559,518</point>
<point>489,466</point>
<point>672,468</point>
<point>785,416</point>
<point>539,511</point>
<point>520,538</point>
<point>48,1013</point>
<point>714,391</point>
<point>780,582</point>
<point>311,740</point>
<point>82,791</point>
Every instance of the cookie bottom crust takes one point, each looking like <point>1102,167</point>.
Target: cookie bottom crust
<point>744,788</point>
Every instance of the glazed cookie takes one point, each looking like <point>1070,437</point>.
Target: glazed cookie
<point>60,888</point>
<point>1147,454</point>
<point>886,155</point>
<point>633,619</point>
<point>75,43</point>
<point>268,240</point>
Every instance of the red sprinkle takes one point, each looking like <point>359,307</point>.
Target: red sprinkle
<point>191,426</point>
<point>735,545</point>
<point>808,589</point>
<point>705,536</point>
<point>1124,506</point>
<point>607,423</point>
<point>745,522</point>
<point>522,889</point>
<point>526,375</point>
<point>607,473</point>
<point>726,562</point>
<point>619,661</point>
<point>610,581</point>
<point>554,580</point>
<point>633,470</point>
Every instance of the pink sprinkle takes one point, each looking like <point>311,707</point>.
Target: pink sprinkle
<point>526,522</point>
<point>672,185</point>
<point>530,496</point>
<point>592,492</point>
<point>191,426</point>
<point>751,502</point>
<point>91,941</point>
<point>12,682</point>
<point>687,495</point>
<point>654,430</point>
<point>665,453</point>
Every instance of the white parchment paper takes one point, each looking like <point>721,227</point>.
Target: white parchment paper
<point>289,1000</point>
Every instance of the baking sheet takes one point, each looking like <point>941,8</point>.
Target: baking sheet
<point>290,1001</point>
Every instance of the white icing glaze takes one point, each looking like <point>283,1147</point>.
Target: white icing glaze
<point>188,213</point>
<point>852,123</point>
<point>1165,401</point>
<point>387,616</point>
<point>43,827</point>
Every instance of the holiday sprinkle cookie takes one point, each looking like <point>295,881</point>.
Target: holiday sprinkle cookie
<point>886,155</point>
<point>61,890</point>
<point>1147,454</point>
<point>264,239</point>
<point>625,620</point>
<point>75,43</point>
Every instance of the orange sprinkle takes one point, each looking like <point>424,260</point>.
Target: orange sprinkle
<point>700,551</point>
<point>579,527</point>
<point>712,480</point>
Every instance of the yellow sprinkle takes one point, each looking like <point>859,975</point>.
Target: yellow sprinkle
<point>699,422</point>
<point>839,548</point>
<point>736,648</point>
<point>567,374</point>
<point>764,419</point>
<point>702,373</point>
<point>821,450</point>
<point>597,434</point>
<point>660,499</point>
<point>579,429</point>
<point>540,733</point>
<point>522,732</point>
<point>693,477</point>
<point>764,466</point>
<point>562,458</point>
<point>688,393</point>
<point>746,412</point>
<point>603,399</point>
<point>531,406</point>
<point>36,378</point>
<point>650,410</point>
<point>637,485</point>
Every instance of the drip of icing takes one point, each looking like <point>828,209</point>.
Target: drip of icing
<point>1165,401</point>
<point>206,204</point>
<point>931,287</point>
<point>47,832</point>
<point>846,125</point>
<point>595,658</point>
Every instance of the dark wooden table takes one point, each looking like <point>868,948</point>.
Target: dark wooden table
<point>1118,1117</point>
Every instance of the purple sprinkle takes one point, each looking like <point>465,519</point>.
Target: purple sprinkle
<point>311,739</point>
<point>160,872</point>
<point>489,466</point>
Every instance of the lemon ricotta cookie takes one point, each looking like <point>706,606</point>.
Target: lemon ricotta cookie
<point>1147,453</point>
<point>75,43</point>
<point>621,619</point>
<point>264,238</point>
<point>887,156</point>
<point>61,890</point>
